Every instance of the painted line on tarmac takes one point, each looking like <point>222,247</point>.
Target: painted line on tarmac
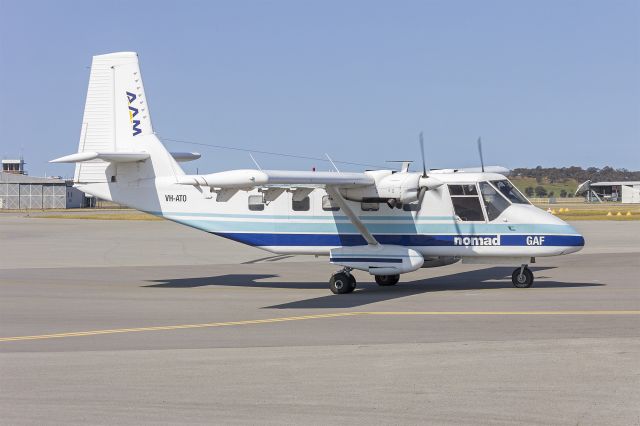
<point>308,317</point>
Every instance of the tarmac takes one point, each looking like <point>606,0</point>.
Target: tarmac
<point>137,322</point>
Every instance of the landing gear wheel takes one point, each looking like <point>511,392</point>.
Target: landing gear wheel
<point>386,280</point>
<point>341,283</point>
<point>522,277</point>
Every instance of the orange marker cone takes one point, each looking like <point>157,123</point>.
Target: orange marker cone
<point>619,214</point>
<point>628,213</point>
<point>609,214</point>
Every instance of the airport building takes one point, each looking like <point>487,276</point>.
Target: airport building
<point>19,191</point>
<point>617,192</point>
<point>14,166</point>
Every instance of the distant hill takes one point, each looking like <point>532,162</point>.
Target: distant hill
<point>558,174</point>
<point>563,181</point>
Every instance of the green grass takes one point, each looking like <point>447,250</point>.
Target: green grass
<point>593,211</point>
<point>569,185</point>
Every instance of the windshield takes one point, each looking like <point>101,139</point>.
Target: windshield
<point>494,203</point>
<point>511,192</point>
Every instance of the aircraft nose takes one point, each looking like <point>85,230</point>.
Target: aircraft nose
<point>574,239</point>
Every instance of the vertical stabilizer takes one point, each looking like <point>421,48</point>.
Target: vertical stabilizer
<point>117,119</point>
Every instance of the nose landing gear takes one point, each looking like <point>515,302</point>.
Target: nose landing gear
<point>342,282</point>
<point>522,277</point>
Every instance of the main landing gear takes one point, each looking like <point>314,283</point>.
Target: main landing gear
<point>342,282</point>
<point>386,280</point>
<point>522,277</point>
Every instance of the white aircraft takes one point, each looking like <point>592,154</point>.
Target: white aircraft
<point>383,222</point>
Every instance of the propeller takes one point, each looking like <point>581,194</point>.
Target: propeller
<point>422,185</point>
<point>424,163</point>
<point>480,153</point>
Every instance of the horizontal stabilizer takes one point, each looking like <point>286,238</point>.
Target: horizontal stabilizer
<point>111,157</point>
<point>253,178</point>
<point>183,157</point>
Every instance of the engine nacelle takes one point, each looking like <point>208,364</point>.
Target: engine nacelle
<point>379,259</point>
<point>402,187</point>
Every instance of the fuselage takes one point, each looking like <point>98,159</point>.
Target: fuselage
<point>457,219</point>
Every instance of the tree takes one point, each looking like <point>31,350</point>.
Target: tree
<point>529,191</point>
<point>563,193</point>
<point>540,191</point>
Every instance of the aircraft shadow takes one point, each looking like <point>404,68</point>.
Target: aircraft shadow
<point>369,292</point>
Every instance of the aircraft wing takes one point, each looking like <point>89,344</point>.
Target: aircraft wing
<point>250,178</point>
<point>488,169</point>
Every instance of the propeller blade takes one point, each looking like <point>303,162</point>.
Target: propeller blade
<point>424,163</point>
<point>480,152</point>
<point>423,191</point>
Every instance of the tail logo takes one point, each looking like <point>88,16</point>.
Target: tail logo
<point>133,111</point>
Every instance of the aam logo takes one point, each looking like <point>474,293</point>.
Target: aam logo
<point>133,111</point>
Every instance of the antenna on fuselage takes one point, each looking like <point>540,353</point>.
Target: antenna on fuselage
<point>255,162</point>
<point>480,152</point>
<point>332,163</point>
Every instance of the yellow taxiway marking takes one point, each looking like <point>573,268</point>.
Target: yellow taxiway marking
<point>308,317</point>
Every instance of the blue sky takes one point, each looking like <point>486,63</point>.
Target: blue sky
<point>554,83</point>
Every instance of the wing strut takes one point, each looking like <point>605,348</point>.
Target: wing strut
<point>335,194</point>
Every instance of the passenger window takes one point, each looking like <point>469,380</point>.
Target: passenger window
<point>369,207</point>
<point>510,191</point>
<point>329,205</point>
<point>255,203</point>
<point>494,203</point>
<point>301,206</point>
<point>466,202</point>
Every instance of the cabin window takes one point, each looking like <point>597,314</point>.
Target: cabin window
<point>369,207</point>
<point>466,202</point>
<point>494,203</point>
<point>510,191</point>
<point>302,205</point>
<point>329,205</point>
<point>255,203</point>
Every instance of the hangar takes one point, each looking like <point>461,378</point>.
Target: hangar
<point>621,192</point>
<point>18,191</point>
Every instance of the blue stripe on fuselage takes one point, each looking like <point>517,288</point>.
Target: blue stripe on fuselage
<point>330,227</point>
<point>333,240</point>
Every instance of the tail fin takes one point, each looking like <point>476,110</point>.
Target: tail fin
<point>116,127</point>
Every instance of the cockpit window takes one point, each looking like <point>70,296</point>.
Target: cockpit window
<point>466,203</point>
<point>511,192</point>
<point>494,203</point>
<point>463,189</point>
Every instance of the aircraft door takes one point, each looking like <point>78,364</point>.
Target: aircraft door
<point>466,203</point>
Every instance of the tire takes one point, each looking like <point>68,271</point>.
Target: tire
<point>387,280</point>
<point>341,283</point>
<point>524,281</point>
<point>354,283</point>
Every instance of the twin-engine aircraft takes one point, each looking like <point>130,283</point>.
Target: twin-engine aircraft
<point>383,222</point>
